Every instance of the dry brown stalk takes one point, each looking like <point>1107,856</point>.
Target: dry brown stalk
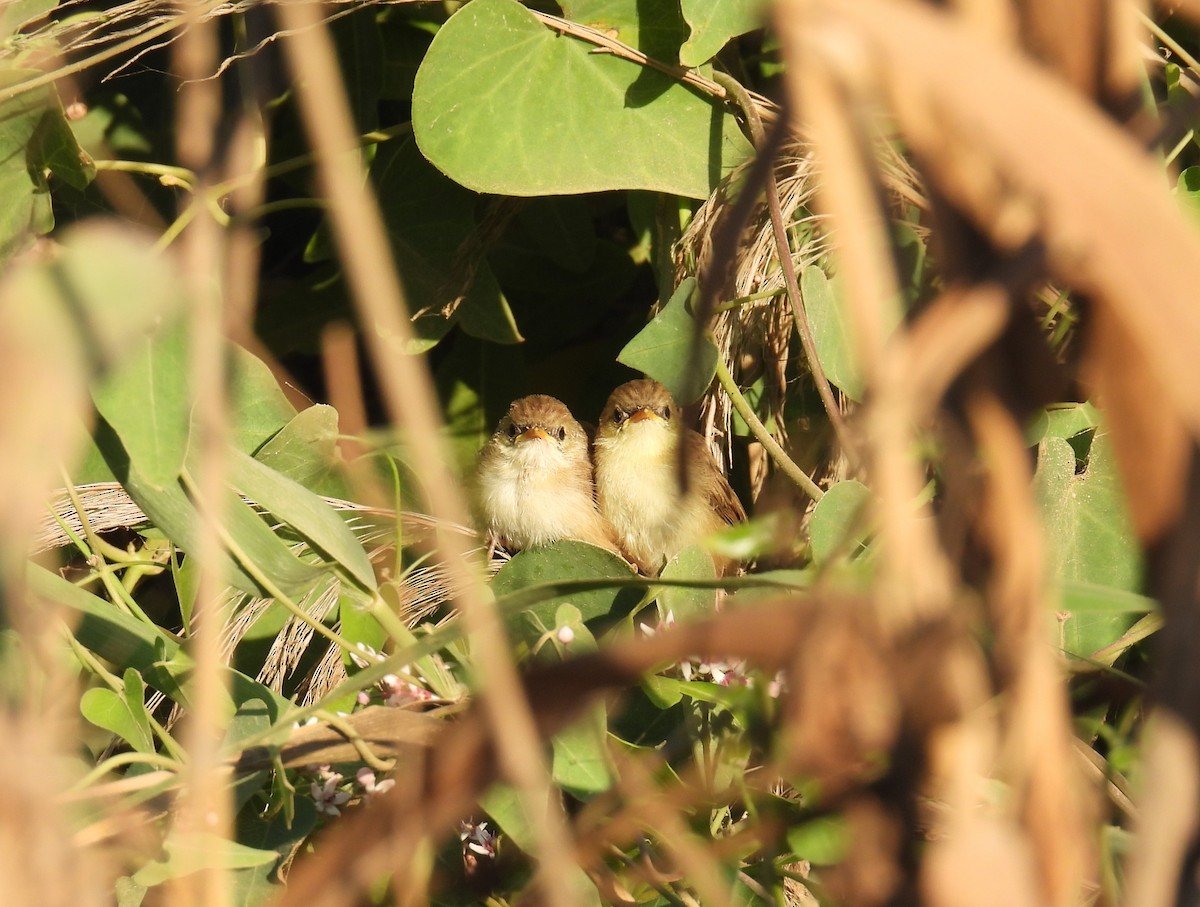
<point>409,394</point>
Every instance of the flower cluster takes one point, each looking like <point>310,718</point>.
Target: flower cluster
<point>478,839</point>
<point>723,673</point>
<point>394,689</point>
<point>330,793</point>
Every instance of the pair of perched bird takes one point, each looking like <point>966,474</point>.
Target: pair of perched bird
<point>539,480</point>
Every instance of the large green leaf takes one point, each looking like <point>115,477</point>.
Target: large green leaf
<point>440,250</point>
<point>1088,535</point>
<point>568,560</point>
<point>839,520</point>
<point>257,406</point>
<point>305,451</point>
<point>656,29</point>
<point>580,764</point>
<point>663,349</point>
<point>502,104</point>
<point>111,711</point>
<point>124,640</point>
<point>1187,190</point>
<point>15,13</point>
<point>305,512</point>
<point>714,22</point>
<point>170,509</point>
<point>832,332</point>
<point>146,401</point>
<point>188,852</point>
<point>279,832</point>
<point>692,563</point>
<point>34,139</point>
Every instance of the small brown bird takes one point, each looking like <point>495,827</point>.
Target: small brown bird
<point>533,481</point>
<point>637,478</point>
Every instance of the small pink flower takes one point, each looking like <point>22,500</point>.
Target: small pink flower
<point>565,635</point>
<point>478,839</point>
<point>366,780</point>
<point>327,797</point>
<point>397,692</point>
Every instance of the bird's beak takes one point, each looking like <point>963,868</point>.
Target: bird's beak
<point>643,414</point>
<point>530,434</point>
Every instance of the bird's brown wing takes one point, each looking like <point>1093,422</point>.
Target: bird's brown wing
<point>712,482</point>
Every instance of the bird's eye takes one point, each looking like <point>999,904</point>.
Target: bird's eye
<point>665,412</point>
<point>561,434</point>
<point>512,431</point>
<point>619,415</point>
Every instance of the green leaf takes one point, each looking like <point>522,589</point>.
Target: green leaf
<point>433,231</point>
<point>252,717</point>
<point>503,104</point>
<point>580,757</point>
<point>714,22</point>
<point>823,841</point>
<point>129,893</point>
<point>170,510</point>
<point>837,521</point>
<point>1187,190</point>
<point>580,764</point>
<point>15,13</point>
<point>27,208</point>
<point>146,401</point>
<point>115,636</point>
<point>656,29</point>
<point>358,625</point>
<point>1079,596</point>
<point>692,563</point>
<point>503,804</point>
<point>567,560</point>
<point>54,149</point>
<point>33,136</point>
<point>832,329</point>
<point>305,451</point>
<point>1088,535</point>
<point>1064,420</point>
<point>188,852</point>
<point>662,349</point>
<point>113,712</point>
<point>745,541</point>
<point>124,640</point>
<point>258,407</point>
<point>256,886</point>
<point>667,691</point>
<point>305,512</point>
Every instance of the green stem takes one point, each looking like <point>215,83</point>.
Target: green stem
<point>108,765</point>
<point>356,740</point>
<point>177,176</point>
<point>98,552</point>
<point>788,267</point>
<point>743,300</point>
<point>777,453</point>
<point>117,685</point>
